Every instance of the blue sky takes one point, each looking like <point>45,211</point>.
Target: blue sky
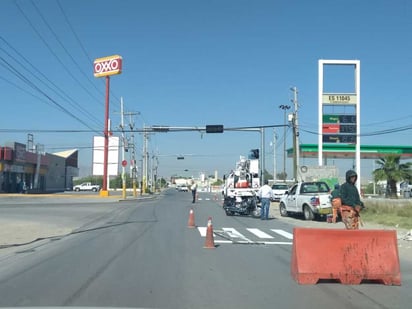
<point>193,63</point>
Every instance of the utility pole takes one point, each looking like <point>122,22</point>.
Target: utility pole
<point>296,147</point>
<point>285,108</point>
<point>274,154</point>
<point>123,149</point>
<point>145,163</point>
<point>133,150</point>
<point>262,155</point>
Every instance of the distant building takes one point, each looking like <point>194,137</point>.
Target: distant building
<point>24,170</point>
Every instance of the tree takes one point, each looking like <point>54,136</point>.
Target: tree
<point>267,175</point>
<point>391,170</point>
<point>218,182</point>
<point>282,176</point>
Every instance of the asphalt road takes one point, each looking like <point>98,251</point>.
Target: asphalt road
<point>142,254</point>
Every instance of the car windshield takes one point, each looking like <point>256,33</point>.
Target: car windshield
<point>280,187</point>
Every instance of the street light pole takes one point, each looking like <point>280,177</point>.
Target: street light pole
<point>285,108</point>
<point>274,155</point>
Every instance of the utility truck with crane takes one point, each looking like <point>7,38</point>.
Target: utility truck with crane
<point>241,187</point>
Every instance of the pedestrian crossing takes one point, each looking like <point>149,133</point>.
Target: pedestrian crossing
<point>229,235</point>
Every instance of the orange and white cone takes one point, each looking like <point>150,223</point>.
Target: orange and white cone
<point>191,222</point>
<point>210,242</point>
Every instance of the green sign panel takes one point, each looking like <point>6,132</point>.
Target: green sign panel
<point>330,118</point>
<point>339,118</point>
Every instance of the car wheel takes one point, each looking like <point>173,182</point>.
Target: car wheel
<point>229,213</point>
<point>77,189</point>
<point>94,190</point>
<point>282,210</point>
<point>308,213</point>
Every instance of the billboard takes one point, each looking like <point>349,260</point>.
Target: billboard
<point>98,156</point>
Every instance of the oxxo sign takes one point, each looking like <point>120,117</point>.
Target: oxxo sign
<point>107,66</point>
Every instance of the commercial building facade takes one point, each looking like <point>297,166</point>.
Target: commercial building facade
<point>29,170</point>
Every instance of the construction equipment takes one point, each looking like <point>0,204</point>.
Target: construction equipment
<point>241,187</point>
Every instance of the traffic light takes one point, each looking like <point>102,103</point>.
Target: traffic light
<point>216,128</point>
<point>254,154</point>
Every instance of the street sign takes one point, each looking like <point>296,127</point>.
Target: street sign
<point>124,163</point>
<point>107,66</point>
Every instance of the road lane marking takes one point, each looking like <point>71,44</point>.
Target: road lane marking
<point>233,233</point>
<point>260,233</point>
<point>238,238</point>
<point>283,233</point>
<point>203,230</point>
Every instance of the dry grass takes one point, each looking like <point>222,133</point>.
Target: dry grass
<point>395,213</point>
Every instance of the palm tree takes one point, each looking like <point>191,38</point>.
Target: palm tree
<point>391,170</point>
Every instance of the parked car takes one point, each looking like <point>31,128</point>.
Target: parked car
<point>278,190</point>
<point>312,199</point>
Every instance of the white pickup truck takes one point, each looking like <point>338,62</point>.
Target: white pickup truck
<point>308,198</point>
<point>86,186</point>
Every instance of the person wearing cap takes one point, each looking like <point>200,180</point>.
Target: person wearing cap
<point>351,203</point>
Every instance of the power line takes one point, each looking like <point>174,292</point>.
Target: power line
<point>373,133</point>
<point>13,70</point>
<point>65,49</point>
<point>54,54</point>
<point>80,43</point>
<point>63,94</point>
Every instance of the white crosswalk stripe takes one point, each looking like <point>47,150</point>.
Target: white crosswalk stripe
<point>257,236</point>
<point>232,233</point>
<point>283,233</point>
<point>260,233</point>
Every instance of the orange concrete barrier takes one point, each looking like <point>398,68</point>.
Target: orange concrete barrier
<point>345,256</point>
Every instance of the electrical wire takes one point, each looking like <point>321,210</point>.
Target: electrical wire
<point>13,70</point>
<point>82,45</point>
<point>58,91</point>
<point>54,54</point>
<point>66,51</point>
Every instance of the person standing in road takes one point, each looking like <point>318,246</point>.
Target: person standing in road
<point>351,203</point>
<point>194,189</point>
<point>265,195</point>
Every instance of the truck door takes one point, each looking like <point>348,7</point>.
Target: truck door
<point>291,199</point>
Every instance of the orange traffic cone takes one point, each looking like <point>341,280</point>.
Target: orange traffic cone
<point>210,242</point>
<point>191,222</point>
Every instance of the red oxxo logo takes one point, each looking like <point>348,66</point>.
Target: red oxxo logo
<point>107,66</point>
